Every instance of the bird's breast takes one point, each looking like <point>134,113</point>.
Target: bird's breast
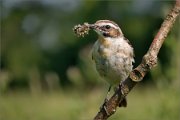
<point>104,52</point>
<point>113,59</point>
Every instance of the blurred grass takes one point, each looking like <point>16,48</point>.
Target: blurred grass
<point>143,104</point>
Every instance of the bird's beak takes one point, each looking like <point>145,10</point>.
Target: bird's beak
<point>97,29</point>
<point>93,26</point>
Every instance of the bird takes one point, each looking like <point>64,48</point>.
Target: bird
<point>112,54</point>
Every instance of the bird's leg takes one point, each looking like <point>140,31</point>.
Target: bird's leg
<point>108,92</point>
<point>107,95</point>
<point>124,91</point>
<point>106,100</point>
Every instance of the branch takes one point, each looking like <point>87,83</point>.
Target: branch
<point>148,62</point>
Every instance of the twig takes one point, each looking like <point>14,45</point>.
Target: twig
<point>148,62</point>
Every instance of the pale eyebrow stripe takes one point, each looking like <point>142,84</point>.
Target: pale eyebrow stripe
<point>107,21</point>
<point>112,25</point>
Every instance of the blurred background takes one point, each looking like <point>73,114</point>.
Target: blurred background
<point>47,72</point>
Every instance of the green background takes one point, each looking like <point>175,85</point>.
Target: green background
<point>47,72</point>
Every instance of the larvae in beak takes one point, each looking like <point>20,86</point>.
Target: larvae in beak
<point>82,30</point>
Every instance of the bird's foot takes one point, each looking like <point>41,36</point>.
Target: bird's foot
<point>104,106</point>
<point>124,89</point>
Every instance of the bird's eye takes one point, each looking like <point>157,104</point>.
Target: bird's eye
<point>108,26</point>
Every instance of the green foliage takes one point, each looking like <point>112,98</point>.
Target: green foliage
<point>38,35</point>
<point>40,54</point>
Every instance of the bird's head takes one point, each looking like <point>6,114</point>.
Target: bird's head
<point>107,28</point>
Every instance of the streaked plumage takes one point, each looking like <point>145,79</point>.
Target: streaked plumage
<point>112,53</point>
<point>113,56</point>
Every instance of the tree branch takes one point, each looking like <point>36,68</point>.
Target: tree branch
<point>148,62</point>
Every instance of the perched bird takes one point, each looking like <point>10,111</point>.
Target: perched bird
<point>112,53</point>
